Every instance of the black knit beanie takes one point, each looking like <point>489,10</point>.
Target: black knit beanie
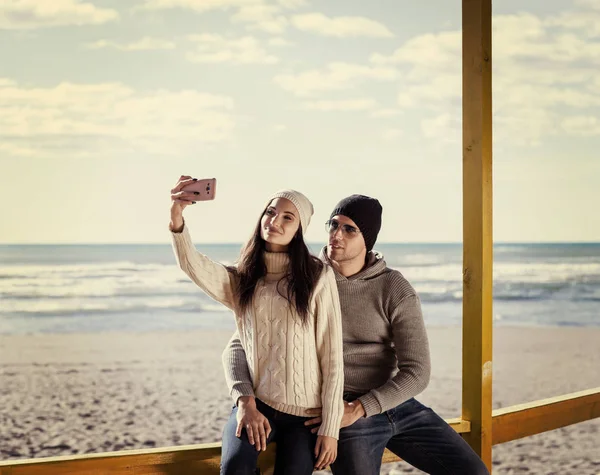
<point>365,212</point>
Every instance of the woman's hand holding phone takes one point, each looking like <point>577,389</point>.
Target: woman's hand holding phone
<point>181,197</point>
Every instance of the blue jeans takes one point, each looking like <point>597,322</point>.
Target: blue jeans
<point>295,445</point>
<point>414,433</point>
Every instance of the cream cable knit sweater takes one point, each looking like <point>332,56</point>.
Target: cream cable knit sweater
<point>293,367</point>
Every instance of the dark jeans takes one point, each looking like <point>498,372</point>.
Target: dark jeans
<point>295,445</point>
<point>413,432</point>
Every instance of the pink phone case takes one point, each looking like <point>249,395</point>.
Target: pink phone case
<point>207,188</point>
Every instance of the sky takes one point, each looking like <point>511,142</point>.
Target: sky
<point>105,103</point>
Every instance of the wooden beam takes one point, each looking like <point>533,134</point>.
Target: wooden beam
<point>183,460</point>
<point>477,224</point>
<point>520,421</point>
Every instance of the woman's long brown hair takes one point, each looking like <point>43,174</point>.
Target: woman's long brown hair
<point>302,277</point>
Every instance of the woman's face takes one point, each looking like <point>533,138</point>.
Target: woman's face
<point>279,224</point>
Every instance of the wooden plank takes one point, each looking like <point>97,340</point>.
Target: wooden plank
<point>477,224</point>
<point>520,421</point>
<point>182,460</point>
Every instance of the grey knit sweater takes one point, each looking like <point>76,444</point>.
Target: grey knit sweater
<point>386,349</point>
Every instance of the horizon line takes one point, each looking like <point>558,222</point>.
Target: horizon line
<point>221,243</point>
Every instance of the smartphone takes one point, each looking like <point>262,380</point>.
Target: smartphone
<point>207,187</point>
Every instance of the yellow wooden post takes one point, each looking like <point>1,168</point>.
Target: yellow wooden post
<point>477,224</point>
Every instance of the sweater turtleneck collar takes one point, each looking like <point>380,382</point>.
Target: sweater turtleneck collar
<point>277,262</point>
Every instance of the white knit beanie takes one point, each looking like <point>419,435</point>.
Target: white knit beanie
<point>302,204</point>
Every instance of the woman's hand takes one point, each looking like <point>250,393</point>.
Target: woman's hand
<point>180,199</point>
<point>325,451</point>
<point>256,424</point>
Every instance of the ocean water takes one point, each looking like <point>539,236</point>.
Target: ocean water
<point>98,288</point>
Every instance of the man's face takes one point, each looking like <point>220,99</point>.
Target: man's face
<point>343,244</point>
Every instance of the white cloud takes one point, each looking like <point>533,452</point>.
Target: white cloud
<point>581,125</point>
<point>443,128</point>
<point>342,105</point>
<point>385,113</point>
<point>196,5</point>
<point>258,15</point>
<point>433,49</point>
<point>336,76</point>
<point>219,49</point>
<point>541,78</point>
<point>392,134</point>
<point>266,18</point>
<point>292,4</point>
<point>525,36</point>
<point>546,97</point>
<point>543,72</point>
<point>143,44</point>
<point>16,150</point>
<point>340,27</point>
<point>30,14</point>
<point>431,69</point>
<point>434,92</point>
<point>526,124</point>
<point>583,23</point>
<point>595,84</point>
<point>592,4</point>
<point>83,115</point>
<point>278,41</point>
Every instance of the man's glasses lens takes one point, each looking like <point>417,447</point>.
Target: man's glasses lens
<point>332,226</point>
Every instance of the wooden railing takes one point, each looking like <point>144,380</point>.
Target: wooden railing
<point>524,420</point>
<point>192,459</point>
<point>507,424</point>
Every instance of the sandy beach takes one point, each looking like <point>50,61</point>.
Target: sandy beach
<point>83,393</point>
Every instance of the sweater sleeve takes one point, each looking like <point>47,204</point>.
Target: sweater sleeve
<point>330,354</point>
<point>414,364</point>
<point>213,278</point>
<point>236,370</point>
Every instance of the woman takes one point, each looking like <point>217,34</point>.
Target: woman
<point>288,317</point>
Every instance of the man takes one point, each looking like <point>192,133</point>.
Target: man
<point>386,360</point>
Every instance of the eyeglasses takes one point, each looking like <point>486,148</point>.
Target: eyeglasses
<point>332,226</point>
